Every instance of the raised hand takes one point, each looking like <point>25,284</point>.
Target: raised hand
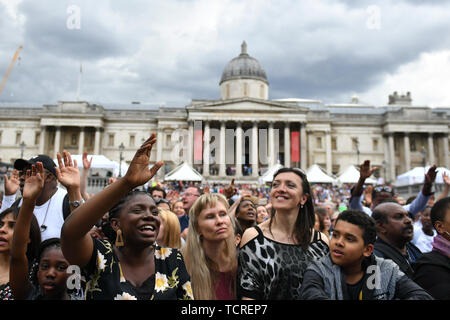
<point>138,172</point>
<point>229,190</point>
<point>86,163</point>
<point>365,170</point>
<point>430,176</point>
<point>446,178</point>
<point>67,173</point>
<point>34,182</point>
<point>12,184</point>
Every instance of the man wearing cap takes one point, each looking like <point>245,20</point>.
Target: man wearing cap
<point>53,204</point>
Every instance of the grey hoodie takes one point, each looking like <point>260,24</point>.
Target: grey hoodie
<point>324,280</point>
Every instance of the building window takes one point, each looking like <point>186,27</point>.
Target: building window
<point>245,89</point>
<point>333,143</point>
<point>412,145</point>
<point>355,143</point>
<point>375,144</point>
<point>168,140</point>
<point>18,137</point>
<point>37,138</point>
<point>132,138</point>
<point>111,140</point>
<point>1,136</point>
<point>74,140</point>
<point>319,142</point>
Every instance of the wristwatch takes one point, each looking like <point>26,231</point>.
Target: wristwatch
<point>76,203</point>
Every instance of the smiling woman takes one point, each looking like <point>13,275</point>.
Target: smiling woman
<point>134,268</point>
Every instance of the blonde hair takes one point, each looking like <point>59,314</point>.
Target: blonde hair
<point>204,271</point>
<point>172,237</point>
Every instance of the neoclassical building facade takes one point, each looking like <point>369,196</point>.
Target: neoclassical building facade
<point>239,135</point>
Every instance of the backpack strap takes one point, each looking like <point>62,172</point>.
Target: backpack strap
<point>396,256</point>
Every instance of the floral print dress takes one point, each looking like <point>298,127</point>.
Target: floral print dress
<point>105,280</point>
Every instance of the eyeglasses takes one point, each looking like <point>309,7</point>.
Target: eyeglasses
<point>191,195</point>
<point>161,200</point>
<point>382,188</point>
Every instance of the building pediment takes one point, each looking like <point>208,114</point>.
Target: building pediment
<point>244,104</point>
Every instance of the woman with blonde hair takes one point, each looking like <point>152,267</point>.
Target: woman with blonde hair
<point>210,252</point>
<point>169,230</point>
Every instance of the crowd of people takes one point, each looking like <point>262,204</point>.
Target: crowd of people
<point>290,240</point>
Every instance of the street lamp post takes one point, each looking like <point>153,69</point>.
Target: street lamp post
<point>357,149</point>
<point>22,149</point>
<point>121,148</point>
<point>384,165</point>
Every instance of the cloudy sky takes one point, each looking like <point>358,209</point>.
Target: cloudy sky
<point>172,51</point>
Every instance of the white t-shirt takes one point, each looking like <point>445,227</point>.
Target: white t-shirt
<point>421,240</point>
<point>49,214</point>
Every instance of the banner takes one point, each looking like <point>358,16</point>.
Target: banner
<point>198,145</point>
<point>295,146</point>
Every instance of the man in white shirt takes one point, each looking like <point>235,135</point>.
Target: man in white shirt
<point>424,232</point>
<point>50,204</point>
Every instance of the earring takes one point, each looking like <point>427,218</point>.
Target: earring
<point>119,239</point>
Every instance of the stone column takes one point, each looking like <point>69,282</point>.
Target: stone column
<point>391,157</point>
<point>329,161</point>
<point>81,141</point>
<point>287,145</point>
<point>190,160</point>
<point>238,149</point>
<point>222,166</point>
<point>303,149</point>
<point>57,141</point>
<point>386,172</point>
<point>271,145</point>
<point>97,141</point>
<point>407,152</point>
<point>445,150</point>
<point>206,150</point>
<point>42,140</point>
<point>255,142</point>
<point>431,149</point>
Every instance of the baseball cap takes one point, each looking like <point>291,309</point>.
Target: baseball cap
<point>47,163</point>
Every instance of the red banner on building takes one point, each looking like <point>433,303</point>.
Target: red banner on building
<point>295,146</point>
<point>198,145</point>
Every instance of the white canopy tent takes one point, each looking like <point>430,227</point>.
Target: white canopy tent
<point>316,175</point>
<point>268,175</point>
<point>100,162</point>
<point>417,174</point>
<point>351,175</point>
<point>183,172</point>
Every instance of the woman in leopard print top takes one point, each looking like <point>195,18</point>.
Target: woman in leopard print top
<point>275,254</point>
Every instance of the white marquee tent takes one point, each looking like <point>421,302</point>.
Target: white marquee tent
<point>351,175</point>
<point>268,175</point>
<point>183,172</point>
<point>316,175</point>
<point>416,175</point>
<point>100,162</point>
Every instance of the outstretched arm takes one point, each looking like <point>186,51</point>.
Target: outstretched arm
<point>364,172</point>
<point>422,198</point>
<point>18,273</point>
<point>76,243</point>
<point>444,193</point>
<point>84,176</point>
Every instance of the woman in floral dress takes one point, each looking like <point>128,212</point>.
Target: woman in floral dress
<point>133,268</point>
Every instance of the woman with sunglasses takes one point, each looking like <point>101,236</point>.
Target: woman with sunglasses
<point>275,254</point>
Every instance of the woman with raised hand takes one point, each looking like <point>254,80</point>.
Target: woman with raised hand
<point>275,254</point>
<point>133,268</point>
<point>210,250</point>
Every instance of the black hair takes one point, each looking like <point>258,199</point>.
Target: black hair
<point>439,210</point>
<point>306,218</point>
<point>158,188</point>
<point>238,228</point>
<point>241,202</point>
<point>51,243</point>
<point>114,212</point>
<point>34,234</point>
<point>321,213</point>
<point>363,221</point>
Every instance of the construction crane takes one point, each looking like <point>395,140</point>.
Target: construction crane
<point>8,71</point>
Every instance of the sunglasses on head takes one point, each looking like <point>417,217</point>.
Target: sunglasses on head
<point>383,188</point>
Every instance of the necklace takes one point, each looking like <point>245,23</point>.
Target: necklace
<point>43,226</point>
